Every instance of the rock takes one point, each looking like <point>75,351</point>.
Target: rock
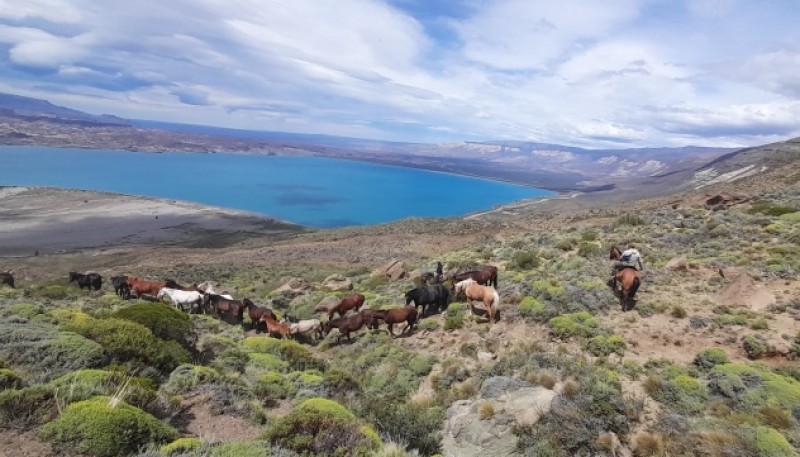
<point>337,283</point>
<point>677,264</point>
<point>743,292</point>
<point>294,286</point>
<point>514,402</point>
<point>484,356</point>
<point>326,304</point>
<point>416,274</point>
<point>395,269</point>
<point>723,200</point>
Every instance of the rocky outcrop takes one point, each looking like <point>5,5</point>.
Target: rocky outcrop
<point>677,264</point>
<point>469,433</point>
<point>294,286</point>
<point>337,283</point>
<point>723,200</point>
<point>326,304</point>
<point>394,270</point>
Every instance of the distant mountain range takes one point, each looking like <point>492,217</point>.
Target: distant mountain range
<point>650,171</point>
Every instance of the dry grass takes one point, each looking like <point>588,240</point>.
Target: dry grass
<point>547,380</point>
<point>648,445</point>
<point>486,411</point>
<point>775,417</point>
<point>571,389</point>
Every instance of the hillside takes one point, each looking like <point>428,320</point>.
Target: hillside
<point>703,365</point>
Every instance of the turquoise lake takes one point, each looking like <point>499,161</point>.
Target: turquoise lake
<point>312,191</point>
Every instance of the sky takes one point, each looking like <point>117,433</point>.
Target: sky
<point>591,73</point>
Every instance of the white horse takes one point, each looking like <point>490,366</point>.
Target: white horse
<point>305,326</point>
<point>484,294</point>
<point>181,297</point>
<point>208,288</point>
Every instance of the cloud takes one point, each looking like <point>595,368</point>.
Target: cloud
<point>580,72</point>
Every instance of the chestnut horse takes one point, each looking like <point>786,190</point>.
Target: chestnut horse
<point>256,313</point>
<point>407,314</point>
<point>485,276</point>
<point>346,325</point>
<point>476,292</point>
<point>352,301</point>
<point>629,279</point>
<point>275,327</point>
<point>140,286</point>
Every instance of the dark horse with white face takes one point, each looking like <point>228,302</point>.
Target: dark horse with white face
<point>437,296</point>
<point>89,280</point>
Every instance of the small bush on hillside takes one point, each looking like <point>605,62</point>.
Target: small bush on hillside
<point>125,341</point>
<point>186,378</point>
<point>25,310</point>
<point>770,443</point>
<point>602,346</point>
<point>93,427</point>
<point>320,427</point>
<point>588,249</point>
<point>273,386</point>
<point>771,209</point>
<point>26,407</point>
<point>296,355</point>
<point>9,379</point>
<point>630,219</point>
<point>580,324</point>
<point>756,347</point>
<point>85,384</point>
<point>181,445</point>
<point>532,308</point>
<point>525,260</point>
<point>417,426</point>
<point>164,321</point>
<point>709,358</point>
<point>750,387</point>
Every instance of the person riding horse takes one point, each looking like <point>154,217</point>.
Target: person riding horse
<point>630,258</point>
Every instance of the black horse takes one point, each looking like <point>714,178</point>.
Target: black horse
<point>438,296</point>
<point>90,280</point>
<point>7,278</point>
<point>121,287</point>
<point>431,278</point>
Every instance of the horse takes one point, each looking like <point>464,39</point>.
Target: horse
<point>305,326</point>
<point>352,301</point>
<point>629,278</point>
<point>170,283</point>
<point>437,295</point>
<point>476,292</point>
<point>207,288</point>
<point>141,287</point>
<point>256,313</point>
<point>274,326</point>
<point>181,297</point>
<point>407,314</point>
<point>121,287</point>
<point>230,311</point>
<point>346,325</point>
<point>7,278</point>
<point>89,280</point>
<point>486,276</point>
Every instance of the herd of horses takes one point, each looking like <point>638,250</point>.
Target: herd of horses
<point>478,286</point>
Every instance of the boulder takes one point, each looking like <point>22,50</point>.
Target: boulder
<point>294,286</point>
<point>395,269</point>
<point>514,402</point>
<point>326,304</point>
<point>337,283</point>
<point>677,264</point>
<point>725,199</point>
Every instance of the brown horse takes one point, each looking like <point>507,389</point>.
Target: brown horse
<point>256,313</point>
<point>407,314</point>
<point>486,294</point>
<point>275,327</point>
<point>352,301</point>
<point>486,276</point>
<point>629,279</point>
<point>346,325</point>
<point>140,286</point>
<point>230,311</point>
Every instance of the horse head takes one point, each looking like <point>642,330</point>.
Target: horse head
<point>614,253</point>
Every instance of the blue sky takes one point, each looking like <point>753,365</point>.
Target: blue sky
<point>580,72</point>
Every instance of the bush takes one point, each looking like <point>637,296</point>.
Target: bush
<point>532,308</point>
<point>580,324</point>
<point>186,378</point>
<point>125,341</point>
<point>85,384</point>
<point>181,445</point>
<point>648,445</point>
<point>296,355</point>
<point>750,387</point>
<point>320,427</point>
<point>709,358</point>
<point>678,312</point>
<point>93,427</point>
<point>419,427</point>
<point>454,322</point>
<point>602,346</point>
<point>683,393</point>
<point>9,379</point>
<point>25,310</point>
<point>771,209</point>
<point>525,260</point>
<point>770,443</point>
<point>587,249</point>
<point>273,386</point>
<point>24,408</point>
<point>630,219</point>
<point>755,347</point>
<point>164,321</point>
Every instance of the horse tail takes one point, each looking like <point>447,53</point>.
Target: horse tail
<point>634,287</point>
<point>495,300</point>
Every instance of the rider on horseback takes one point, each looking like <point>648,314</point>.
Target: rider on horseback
<point>630,258</point>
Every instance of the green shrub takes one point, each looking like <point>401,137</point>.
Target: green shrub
<point>187,378</point>
<point>682,393</point>
<point>295,354</point>
<point>272,386</point>
<point>266,362</point>
<point>589,235</point>
<point>240,449</point>
<point>26,407</point>
<point>532,308</point>
<point>181,445</point>
<point>9,379</point>
<point>580,324</point>
<point>125,341</point>
<point>751,387</point>
<point>602,346</point>
<point>164,321</point>
<point>417,426</point>
<point>755,347</point>
<point>53,292</point>
<point>85,384</point>
<point>770,443</point>
<point>588,249</point>
<point>709,358</point>
<point>25,310</point>
<point>771,209</point>
<point>93,427</point>
<point>342,381</point>
<point>525,260</point>
<point>453,322</point>
<point>630,219</point>
<point>678,312</point>
<point>320,426</point>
